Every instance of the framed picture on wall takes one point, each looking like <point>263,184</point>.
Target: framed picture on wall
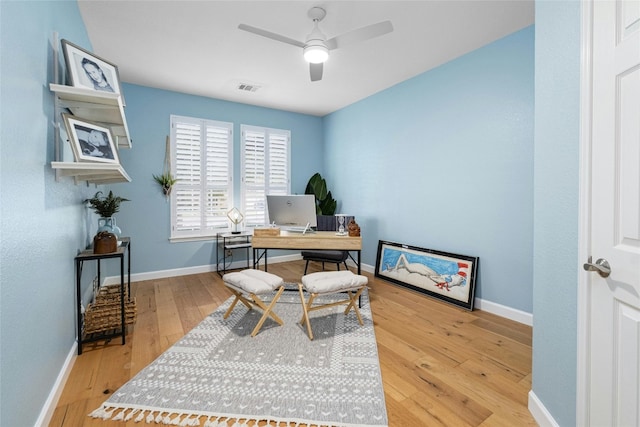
<point>90,142</point>
<point>442,275</point>
<point>86,70</point>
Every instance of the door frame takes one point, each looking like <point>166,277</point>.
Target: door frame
<point>583,362</point>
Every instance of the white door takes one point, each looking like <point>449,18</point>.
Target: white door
<point>613,311</point>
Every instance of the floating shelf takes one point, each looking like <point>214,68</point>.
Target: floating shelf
<point>93,173</point>
<point>103,108</point>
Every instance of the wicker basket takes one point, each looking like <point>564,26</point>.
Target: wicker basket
<point>104,313</point>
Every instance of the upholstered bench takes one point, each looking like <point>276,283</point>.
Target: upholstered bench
<point>253,283</point>
<point>331,282</point>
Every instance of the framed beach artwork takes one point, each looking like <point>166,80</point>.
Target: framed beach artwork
<point>89,141</point>
<point>442,275</point>
<point>86,70</point>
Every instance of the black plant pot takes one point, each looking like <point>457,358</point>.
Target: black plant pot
<point>326,222</point>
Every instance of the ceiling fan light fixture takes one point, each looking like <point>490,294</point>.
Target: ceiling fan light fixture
<point>316,52</point>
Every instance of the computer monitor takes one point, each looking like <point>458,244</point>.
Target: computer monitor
<point>292,210</point>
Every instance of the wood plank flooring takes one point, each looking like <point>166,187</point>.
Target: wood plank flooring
<point>441,365</point>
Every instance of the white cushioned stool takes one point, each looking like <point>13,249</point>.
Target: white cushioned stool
<point>331,282</point>
<point>253,283</point>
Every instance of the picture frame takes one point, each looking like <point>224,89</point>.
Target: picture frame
<point>441,275</point>
<point>89,71</point>
<point>90,142</point>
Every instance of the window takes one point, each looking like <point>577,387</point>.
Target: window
<point>266,169</point>
<point>202,161</point>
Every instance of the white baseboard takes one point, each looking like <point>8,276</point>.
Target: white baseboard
<point>539,412</point>
<point>52,400</point>
<point>484,305</point>
<point>112,280</point>
<point>504,311</point>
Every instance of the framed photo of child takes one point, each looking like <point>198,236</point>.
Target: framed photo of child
<point>89,141</point>
<point>86,70</point>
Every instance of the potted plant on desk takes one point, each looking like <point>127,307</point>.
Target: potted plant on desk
<point>325,203</point>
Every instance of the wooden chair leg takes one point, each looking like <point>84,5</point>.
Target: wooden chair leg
<point>239,297</point>
<point>267,311</point>
<point>305,312</point>
<point>353,304</point>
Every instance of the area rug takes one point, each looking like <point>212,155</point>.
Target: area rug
<point>218,375</point>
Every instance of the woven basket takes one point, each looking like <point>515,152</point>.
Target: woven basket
<point>109,294</point>
<point>104,313</point>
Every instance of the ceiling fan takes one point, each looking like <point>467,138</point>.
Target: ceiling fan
<point>316,47</point>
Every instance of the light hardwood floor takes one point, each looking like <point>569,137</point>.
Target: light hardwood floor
<point>441,365</point>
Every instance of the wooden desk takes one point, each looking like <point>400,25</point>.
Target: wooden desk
<point>298,241</point>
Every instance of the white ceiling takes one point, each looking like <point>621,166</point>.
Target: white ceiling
<point>195,47</point>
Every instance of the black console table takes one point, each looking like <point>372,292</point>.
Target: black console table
<point>229,242</point>
<point>88,255</point>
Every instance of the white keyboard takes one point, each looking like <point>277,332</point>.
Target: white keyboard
<point>297,229</point>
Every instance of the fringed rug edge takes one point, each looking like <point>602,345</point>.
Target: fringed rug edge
<point>167,416</point>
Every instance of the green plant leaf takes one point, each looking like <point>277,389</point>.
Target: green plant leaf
<point>107,206</point>
<point>325,204</point>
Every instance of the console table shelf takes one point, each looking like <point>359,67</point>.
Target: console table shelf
<point>230,242</point>
<point>88,255</point>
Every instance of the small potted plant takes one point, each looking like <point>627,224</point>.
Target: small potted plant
<point>106,207</point>
<point>166,181</point>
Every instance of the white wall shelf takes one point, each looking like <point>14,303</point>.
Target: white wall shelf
<point>93,173</point>
<point>104,108</point>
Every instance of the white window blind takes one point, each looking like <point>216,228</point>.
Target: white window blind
<point>202,161</point>
<point>266,169</point>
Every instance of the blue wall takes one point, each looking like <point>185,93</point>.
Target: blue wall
<point>445,161</point>
<point>42,221</point>
<point>556,171</point>
<point>146,218</point>
<point>465,129</point>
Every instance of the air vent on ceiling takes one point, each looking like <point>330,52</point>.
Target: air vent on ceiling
<point>247,87</point>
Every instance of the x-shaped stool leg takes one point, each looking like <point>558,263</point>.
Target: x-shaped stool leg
<point>254,300</point>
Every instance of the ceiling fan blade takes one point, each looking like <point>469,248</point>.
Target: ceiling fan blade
<point>316,72</point>
<point>359,35</point>
<point>270,35</point>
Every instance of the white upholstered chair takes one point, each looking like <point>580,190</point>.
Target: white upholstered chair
<point>331,282</point>
<point>247,285</point>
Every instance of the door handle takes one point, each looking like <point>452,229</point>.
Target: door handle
<point>601,266</point>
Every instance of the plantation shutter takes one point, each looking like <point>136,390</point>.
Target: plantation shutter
<point>202,163</point>
<point>265,170</point>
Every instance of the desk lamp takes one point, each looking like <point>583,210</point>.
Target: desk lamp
<point>236,217</point>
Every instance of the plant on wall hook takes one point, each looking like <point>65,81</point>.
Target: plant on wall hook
<point>166,180</point>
